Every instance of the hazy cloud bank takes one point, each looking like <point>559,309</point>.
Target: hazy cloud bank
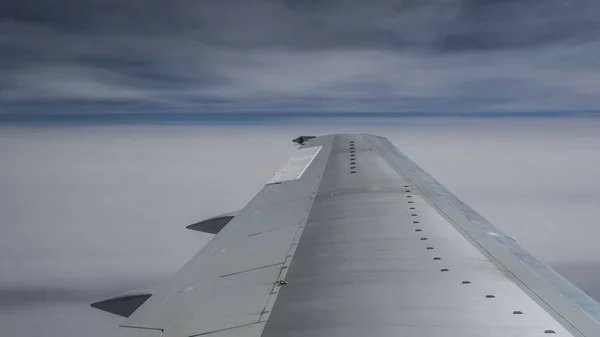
<point>89,212</point>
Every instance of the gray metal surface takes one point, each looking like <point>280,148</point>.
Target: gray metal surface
<point>232,283</point>
<point>362,242</point>
<point>363,265</point>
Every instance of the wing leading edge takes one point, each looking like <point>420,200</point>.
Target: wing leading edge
<point>352,238</point>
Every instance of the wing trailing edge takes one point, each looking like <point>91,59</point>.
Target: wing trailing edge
<point>213,225</point>
<point>123,305</point>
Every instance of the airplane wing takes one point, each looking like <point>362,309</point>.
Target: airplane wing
<point>351,238</point>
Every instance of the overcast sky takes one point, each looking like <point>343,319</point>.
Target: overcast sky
<point>91,212</point>
<point>79,56</point>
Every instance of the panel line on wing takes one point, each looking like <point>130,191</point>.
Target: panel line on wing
<point>226,329</point>
<point>253,269</point>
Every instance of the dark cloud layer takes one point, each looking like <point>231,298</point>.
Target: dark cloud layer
<point>341,55</point>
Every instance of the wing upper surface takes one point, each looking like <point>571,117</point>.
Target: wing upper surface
<point>351,238</point>
<point>231,284</point>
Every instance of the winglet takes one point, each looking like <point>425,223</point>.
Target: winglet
<point>122,305</point>
<point>213,225</point>
<point>300,140</point>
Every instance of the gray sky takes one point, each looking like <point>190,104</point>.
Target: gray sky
<point>81,56</point>
<point>90,212</point>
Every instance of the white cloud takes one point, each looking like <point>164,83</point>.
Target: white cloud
<point>97,210</point>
